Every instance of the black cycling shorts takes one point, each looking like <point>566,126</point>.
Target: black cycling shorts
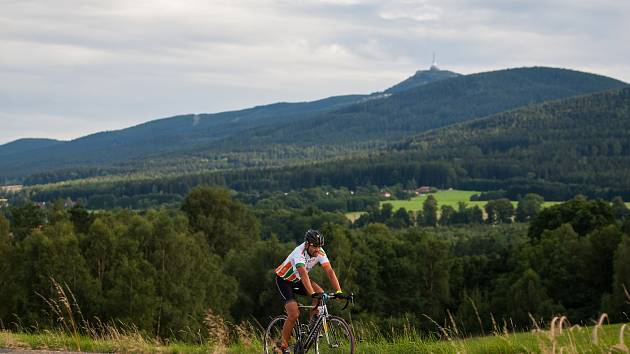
<point>288,289</point>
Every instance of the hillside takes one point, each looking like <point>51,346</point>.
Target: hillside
<point>283,134</point>
<point>26,145</point>
<point>556,149</point>
<point>155,137</point>
<point>161,137</point>
<point>441,103</point>
<point>581,141</point>
<point>421,77</point>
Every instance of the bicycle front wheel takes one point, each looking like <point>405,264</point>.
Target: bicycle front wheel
<point>337,338</point>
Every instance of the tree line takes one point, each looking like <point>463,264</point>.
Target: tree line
<point>163,269</point>
<point>557,150</point>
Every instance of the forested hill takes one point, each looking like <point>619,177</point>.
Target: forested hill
<point>287,132</point>
<point>25,145</point>
<point>160,136</point>
<point>558,149</point>
<point>179,134</point>
<point>438,104</point>
<point>581,141</point>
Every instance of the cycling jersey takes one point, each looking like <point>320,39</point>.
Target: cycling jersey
<point>300,257</point>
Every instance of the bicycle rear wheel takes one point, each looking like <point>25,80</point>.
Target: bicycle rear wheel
<point>273,333</point>
<point>337,339</point>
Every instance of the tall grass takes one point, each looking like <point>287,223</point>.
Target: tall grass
<point>73,332</point>
<point>561,338</point>
<point>62,309</point>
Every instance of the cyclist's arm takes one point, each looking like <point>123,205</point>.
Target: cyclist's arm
<point>305,279</point>
<point>332,277</point>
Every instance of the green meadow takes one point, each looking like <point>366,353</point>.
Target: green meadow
<point>559,339</point>
<point>450,197</point>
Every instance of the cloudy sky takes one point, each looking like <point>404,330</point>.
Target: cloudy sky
<point>73,67</point>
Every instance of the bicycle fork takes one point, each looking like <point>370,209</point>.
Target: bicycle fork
<point>315,331</point>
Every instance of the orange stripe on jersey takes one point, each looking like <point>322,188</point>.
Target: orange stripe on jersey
<point>282,270</point>
<point>326,265</point>
<point>292,277</point>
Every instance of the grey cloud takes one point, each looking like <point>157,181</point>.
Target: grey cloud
<point>104,64</point>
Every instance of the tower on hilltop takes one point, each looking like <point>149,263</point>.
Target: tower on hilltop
<point>434,66</point>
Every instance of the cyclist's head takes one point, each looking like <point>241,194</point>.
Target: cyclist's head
<point>314,237</point>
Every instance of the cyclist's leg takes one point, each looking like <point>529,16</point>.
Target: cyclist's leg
<point>291,307</point>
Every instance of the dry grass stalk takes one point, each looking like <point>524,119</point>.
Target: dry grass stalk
<point>541,339</point>
<point>368,331</point>
<point>474,306</point>
<point>557,325</point>
<point>218,331</point>
<point>246,333</point>
<point>621,346</point>
<point>572,342</point>
<point>63,310</point>
<point>127,338</point>
<point>555,330</point>
<point>552,327</point>
<point>442,329</point>
<point>506,331</point>
<point>534,322</point>
<point>458,345</point>
<point>561,326</point>
<point>495,328</point>
<point>9,341</point>
<point>455,329</point>
<point>595,337</point>
<point>625,291</point>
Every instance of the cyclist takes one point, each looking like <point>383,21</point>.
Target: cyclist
<point>292,278</point>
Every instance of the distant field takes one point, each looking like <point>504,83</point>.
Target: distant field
<point>354,215</point>
<point>444,197</point>
<point>447,197</point>
<point>450,197</point>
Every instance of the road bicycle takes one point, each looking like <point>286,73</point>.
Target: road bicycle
<point>325,334</point>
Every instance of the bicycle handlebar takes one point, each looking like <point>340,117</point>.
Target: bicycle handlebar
<point>349,298</point>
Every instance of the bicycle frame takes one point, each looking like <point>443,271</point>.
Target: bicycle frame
<point>306,343</point>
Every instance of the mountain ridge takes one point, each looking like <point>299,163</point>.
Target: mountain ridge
<point>430,106</point>
<point>26,144</point>
<point>584,148</point>
<point>334,120</point>
<point>421,77</point>
<point>277,108</point>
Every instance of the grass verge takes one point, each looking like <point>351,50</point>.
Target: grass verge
<point>557,339</point>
